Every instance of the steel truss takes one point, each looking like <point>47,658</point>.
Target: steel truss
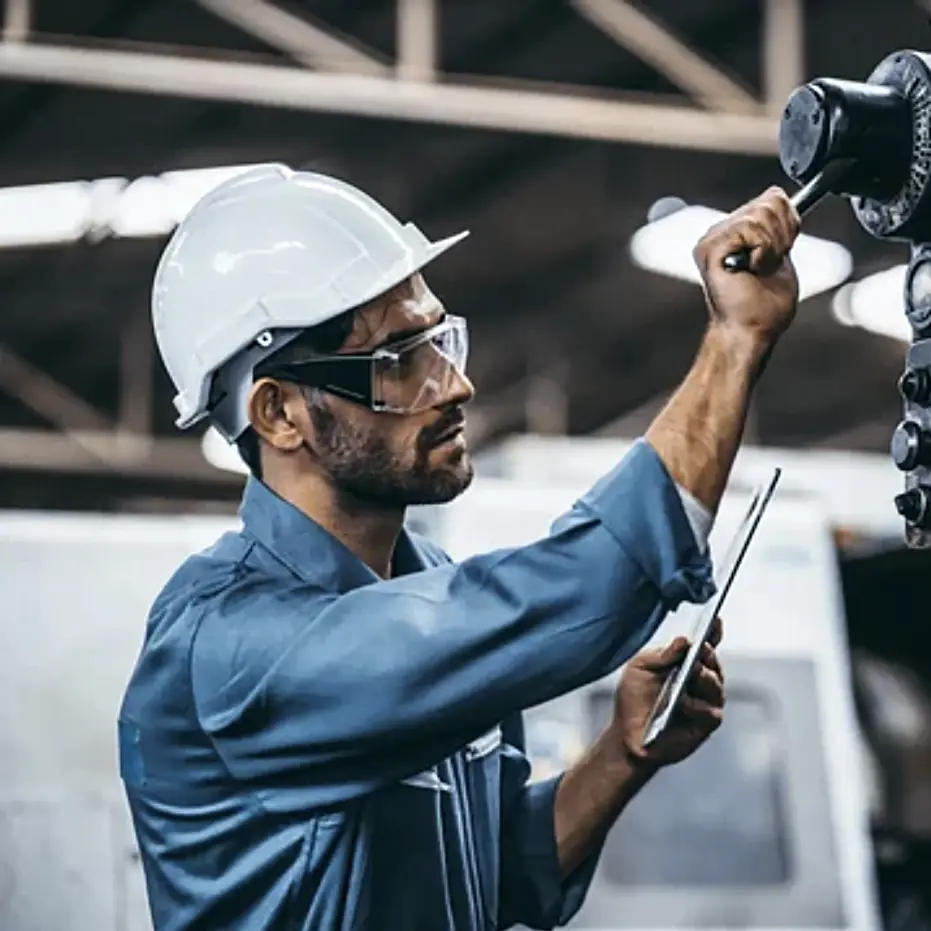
<point>339,76</point>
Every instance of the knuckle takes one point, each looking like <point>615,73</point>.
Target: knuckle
<point>754,228</point>
<point>712,235</point>
<point>770,212</point>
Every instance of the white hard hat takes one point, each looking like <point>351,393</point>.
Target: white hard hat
<point>258,260</point>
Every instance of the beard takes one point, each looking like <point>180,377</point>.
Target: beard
<point>362,466</point>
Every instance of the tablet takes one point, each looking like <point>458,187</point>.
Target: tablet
<point>674,687</point>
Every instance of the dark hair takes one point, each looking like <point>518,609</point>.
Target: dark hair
<point>325,337</point>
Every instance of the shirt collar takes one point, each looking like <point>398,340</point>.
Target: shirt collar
<point>308,550</point>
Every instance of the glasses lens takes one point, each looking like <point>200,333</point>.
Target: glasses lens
<point>423,374</point>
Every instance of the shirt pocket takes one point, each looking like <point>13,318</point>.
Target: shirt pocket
<point>482,762</point>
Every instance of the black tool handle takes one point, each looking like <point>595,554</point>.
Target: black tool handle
<point>804,199</point>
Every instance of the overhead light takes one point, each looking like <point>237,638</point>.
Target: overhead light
<point>876,303</point>
<point>665,247</point>
<point>154,206</point>
<point>220,454</point>
<point>49,214</point>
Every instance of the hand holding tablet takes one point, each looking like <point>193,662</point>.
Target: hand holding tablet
<point>675,685</point>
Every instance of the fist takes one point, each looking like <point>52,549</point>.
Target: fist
<point>700,712</point>
<point>759,303</point>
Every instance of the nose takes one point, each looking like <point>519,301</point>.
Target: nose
<point>461,389</point>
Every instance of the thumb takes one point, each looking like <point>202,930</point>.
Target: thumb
<point>666,657</point>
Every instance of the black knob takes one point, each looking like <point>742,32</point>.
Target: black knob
<point>910,446</point>
<point>913,506</point>
<point>830,119</point>
<point>915,386</point>
<point>804,133</point>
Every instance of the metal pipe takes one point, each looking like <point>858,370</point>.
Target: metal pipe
<point>296,36</point>
<point>416,40</point>
<point>17,20</point>
<point>650,41</point>
<point>783,51</point>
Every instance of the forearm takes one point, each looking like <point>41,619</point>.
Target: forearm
<point>591,796</point>
<point>699,431</point>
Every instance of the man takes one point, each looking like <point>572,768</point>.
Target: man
<point>323,728</point>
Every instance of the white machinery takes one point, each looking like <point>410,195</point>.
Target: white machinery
<point>75,593</point>
<point>765,827</point>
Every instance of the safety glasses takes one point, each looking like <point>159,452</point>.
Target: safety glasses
<point>411,375</point>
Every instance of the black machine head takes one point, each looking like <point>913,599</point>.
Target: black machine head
<point>882,129</point>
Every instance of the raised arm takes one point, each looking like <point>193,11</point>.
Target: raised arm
<point>696,437</point>
<point>699,431</point>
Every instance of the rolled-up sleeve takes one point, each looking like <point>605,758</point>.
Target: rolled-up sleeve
<point>643,509</point>
<point>345,693</point>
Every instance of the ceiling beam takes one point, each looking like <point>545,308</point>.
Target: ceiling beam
<point>541,111</point>
<point>44,396</point>
<point>108,453</point>
<point>652,42</point>
<point>297,37</point>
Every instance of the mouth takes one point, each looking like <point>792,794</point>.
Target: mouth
<point>450,435</point>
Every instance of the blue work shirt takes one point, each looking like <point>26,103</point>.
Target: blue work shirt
<point>305,746</point>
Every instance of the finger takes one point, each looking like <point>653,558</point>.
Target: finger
<point>750,230</point>
<point>766,241</point>
<point>766,227</point>
<point>665,658</point>
<point>778,224</point>
<point>776,206</point>
<point>789,216</point>
<point>705,685</point>
<point>701,712</point>
<point>764,215</point>
<point>710,659</point>
<point>717,632</point>
<point>675,650</point>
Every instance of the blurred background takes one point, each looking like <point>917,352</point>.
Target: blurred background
<point>548,128</point>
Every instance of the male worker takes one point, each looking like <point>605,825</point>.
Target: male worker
<point>323,728</point>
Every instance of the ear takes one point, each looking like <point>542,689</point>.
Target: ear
<point>277,412</point>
